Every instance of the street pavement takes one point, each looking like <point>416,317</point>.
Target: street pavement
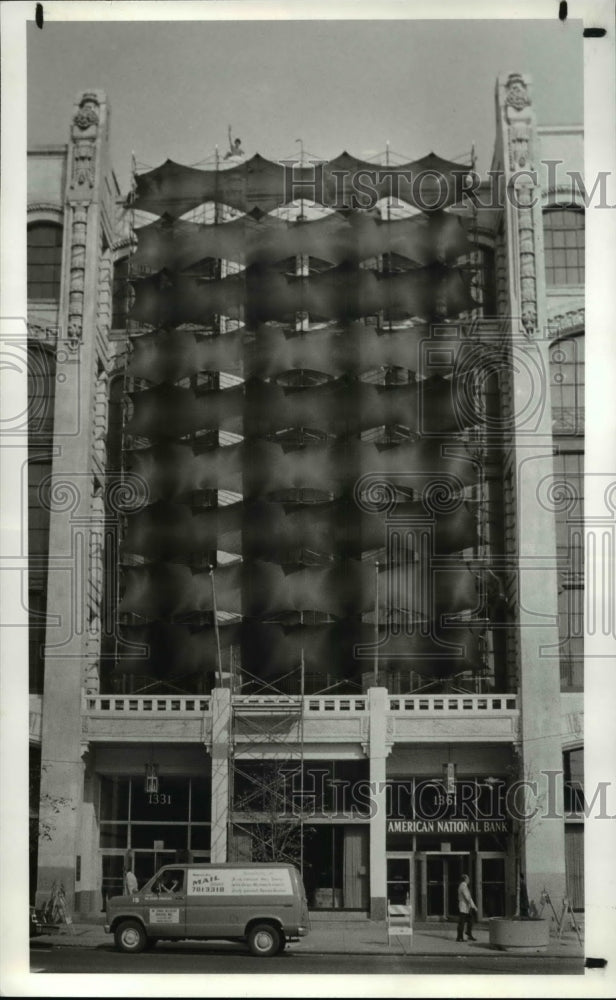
<point>338,937</point>
<point>216,959</point>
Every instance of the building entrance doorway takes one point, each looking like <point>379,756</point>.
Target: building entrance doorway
<point>443,875</point>
<point>147,863</point>
<point>399,879</point>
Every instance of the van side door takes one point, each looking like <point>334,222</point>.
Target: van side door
<point>211,910</point>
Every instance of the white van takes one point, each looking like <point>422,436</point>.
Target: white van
<point>262,904</point>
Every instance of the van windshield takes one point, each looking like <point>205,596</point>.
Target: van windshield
<point>169,882</point>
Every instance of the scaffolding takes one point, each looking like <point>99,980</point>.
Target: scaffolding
<point>266,774</point>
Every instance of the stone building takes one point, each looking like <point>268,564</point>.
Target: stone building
<point>166,725</point>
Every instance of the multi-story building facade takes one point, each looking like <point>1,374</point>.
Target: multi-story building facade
<point>223,502</point>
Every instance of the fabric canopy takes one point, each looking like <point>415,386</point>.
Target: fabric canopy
<point>280,533</point>
<point>259,184</point>
<point>168,355</point>
<point>171,471</point>
<point>261,294</point>
<point>342,649</point>
<point>177,245</point>
<point>314,503</point>
<point>432,407</point>
<point>260,589</point>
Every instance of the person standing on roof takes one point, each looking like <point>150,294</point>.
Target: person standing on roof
<point>235,147</point>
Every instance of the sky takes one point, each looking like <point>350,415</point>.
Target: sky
<point>422,86</point>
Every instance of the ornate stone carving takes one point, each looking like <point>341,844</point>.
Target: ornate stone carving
<point>87,116</point>
<point>99,424</point>
<point>45,206</point>
<point>562,322</point>
<point>518,146</point>
<point>518,123</point>
<point>45,333</point>
<point>84,134</point>
<point>516,92</point>
<point>83,164</point>
<point>77,275</point>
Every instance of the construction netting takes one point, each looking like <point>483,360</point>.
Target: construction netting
<point>300,411</point>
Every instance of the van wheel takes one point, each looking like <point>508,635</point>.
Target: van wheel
<point>264,940</point>
<point>130,936</point>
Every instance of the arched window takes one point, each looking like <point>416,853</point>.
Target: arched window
<point>44,261</point>
<point>567,381</point>
<point>564,243</point>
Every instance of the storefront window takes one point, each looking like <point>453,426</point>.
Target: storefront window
<point>200,800</point>
<point>170,802</point>
<point>114,793</point>
<point>173,836</point>
<point>334,788</point>
<point>114,835</point>
<point>493,887</point>
<point>175,818</point>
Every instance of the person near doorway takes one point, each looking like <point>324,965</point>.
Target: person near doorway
<point>466,908</point>
<point>130,881</point>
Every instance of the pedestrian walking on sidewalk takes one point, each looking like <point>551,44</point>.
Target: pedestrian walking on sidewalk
<point>466,908</point>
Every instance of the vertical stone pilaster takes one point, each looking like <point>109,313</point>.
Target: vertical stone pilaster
<point>378,750</point>
<point>529,456</point>
<point>88,897</point>
<point>76,509</point>
<point>221,734</point>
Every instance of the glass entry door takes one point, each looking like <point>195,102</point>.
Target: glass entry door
<point>443,874</point>
<point>399,883</point>
<point>147,863</point>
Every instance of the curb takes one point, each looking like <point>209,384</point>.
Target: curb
<point>45,942</point>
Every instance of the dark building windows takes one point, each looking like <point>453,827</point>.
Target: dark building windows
<point>564,243</point>
<point>121,294</point>
<point>44,261</point>
<point>41,391</point>
<point>567,390</point>
<point>569,484</point>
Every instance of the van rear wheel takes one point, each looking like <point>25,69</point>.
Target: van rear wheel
<point>264,940</point>
<point>130,936</point>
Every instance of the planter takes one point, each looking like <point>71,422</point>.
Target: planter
<point>521,936</point>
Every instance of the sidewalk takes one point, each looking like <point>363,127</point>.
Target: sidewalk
<point>365,937</point>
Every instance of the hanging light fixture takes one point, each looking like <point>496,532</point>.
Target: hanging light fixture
<point>449,778</point>
<point>151,778</point>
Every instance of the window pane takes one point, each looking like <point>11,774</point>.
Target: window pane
<point>201,799</point>
<point>170,802</point>
<point>564,228</point>
<point>114,835</point>
<point>113,798</point>
<point>44,261</point>
<point>121,292</point>
<point>200,838</point>
<point>174,837</point>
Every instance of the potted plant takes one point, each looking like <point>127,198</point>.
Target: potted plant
<point>524,931</point>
